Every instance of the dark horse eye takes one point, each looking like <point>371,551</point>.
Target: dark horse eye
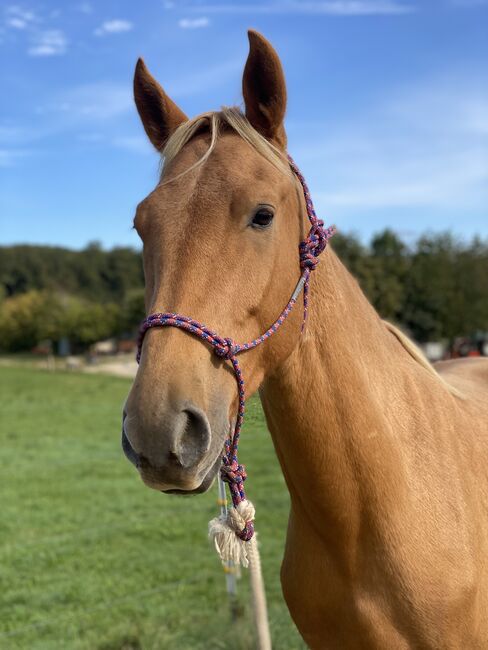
<point>262,218</point>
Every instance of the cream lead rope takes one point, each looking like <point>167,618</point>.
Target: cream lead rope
<point>234,552</point>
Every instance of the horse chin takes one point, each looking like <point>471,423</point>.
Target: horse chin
<point>204,486</point>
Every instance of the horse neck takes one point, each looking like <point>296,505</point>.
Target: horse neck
<point>327,407</point>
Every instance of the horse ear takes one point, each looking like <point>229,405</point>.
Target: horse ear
<point>159,114</point>
<point>264,90</point>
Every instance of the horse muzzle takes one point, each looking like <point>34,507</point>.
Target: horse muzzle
<point>177,462</point>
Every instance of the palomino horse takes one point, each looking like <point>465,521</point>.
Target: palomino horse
<point>384,458</point>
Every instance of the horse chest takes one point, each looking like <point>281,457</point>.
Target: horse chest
<point>378,606</point>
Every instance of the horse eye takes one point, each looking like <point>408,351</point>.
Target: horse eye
<point>262,218</point>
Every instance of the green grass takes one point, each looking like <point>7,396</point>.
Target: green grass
<point>92,559</point>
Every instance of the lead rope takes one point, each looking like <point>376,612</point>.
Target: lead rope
<point>233,531</point>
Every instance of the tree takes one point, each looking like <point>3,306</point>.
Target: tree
<point>390,266</point>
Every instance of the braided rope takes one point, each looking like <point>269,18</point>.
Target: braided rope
<point>232,472</point>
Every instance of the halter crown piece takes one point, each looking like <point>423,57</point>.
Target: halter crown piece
<point>231,532</point>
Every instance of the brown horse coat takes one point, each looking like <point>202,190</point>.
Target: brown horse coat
<point>386,466</point>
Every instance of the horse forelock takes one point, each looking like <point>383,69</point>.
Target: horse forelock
<point>215,123</point>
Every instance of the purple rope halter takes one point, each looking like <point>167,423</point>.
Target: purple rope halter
<point>231,471</point>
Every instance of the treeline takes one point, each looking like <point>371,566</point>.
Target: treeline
<point>92,273</point>
<point>50,293</point>
<point>436,289</point>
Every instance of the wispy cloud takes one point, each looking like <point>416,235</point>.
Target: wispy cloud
<point>85,8</point>
<point>206,79</point>
<point>115,26</point>
<point>18,18</point>
<point>51,42</point>
<point>10,134</point>
<point>325,7</point>
<point>9,157</point>
<point>194,23</point>
<point>91,102</point>
<point>133,144</point>
<point>38,38</point>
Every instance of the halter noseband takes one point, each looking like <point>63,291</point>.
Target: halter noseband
<point>231,471</point>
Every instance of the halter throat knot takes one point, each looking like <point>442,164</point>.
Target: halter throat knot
<point>226,349</point>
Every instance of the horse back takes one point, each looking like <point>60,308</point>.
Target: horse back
<point>469,376</point>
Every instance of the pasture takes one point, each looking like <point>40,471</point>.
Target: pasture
<point>92,559</point>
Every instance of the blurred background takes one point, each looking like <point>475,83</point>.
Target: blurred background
<point>388,120</point>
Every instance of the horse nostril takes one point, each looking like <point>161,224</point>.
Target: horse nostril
<point>174,459</point>
<point>192,440</point>
<point>177,440</point>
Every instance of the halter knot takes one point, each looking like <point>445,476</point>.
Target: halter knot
<point>226,349</point>
<point>315,243</point>
<point>233,473</point>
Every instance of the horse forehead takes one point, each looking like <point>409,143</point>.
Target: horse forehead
<point>233,167</point>
<point>233,175</point>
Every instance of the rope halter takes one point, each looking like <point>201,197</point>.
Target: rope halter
<point>231,471</point>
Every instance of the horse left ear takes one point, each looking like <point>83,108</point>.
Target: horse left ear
<point>264,90</point>
<point>160,116</point>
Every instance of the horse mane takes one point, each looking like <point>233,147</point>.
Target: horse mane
<point>215,122</point>
<point>417,354</point>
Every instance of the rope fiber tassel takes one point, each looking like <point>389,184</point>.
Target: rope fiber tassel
<point>225,532</point>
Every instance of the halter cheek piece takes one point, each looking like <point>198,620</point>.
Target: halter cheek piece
<point>227,349</point>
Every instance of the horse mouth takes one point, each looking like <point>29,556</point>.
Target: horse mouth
<point>149,479</point>
<point>204,486</point>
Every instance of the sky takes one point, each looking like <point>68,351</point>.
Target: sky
<point>387,114</point>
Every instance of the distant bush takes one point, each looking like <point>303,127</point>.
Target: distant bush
<point>36,316</point>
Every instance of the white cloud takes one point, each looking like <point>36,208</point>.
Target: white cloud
<point>41,40</point>
<point>194,23</point>
<point>115,26</point>
<point>51,42</point>
<point>19,18</point>
<point>324,7</point>
<point>16,23</point>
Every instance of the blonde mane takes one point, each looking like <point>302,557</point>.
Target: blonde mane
<point>215,121</point>
<point>420,358</point>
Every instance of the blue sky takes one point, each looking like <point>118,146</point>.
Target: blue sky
<point>387,114</point>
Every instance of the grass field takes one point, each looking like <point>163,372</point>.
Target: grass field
<point>92,559</point>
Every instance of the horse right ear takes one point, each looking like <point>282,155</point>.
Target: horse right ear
<point>264,90</point>
<point>160,116</point>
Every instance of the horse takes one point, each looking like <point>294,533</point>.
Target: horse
<point>384,456</point>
